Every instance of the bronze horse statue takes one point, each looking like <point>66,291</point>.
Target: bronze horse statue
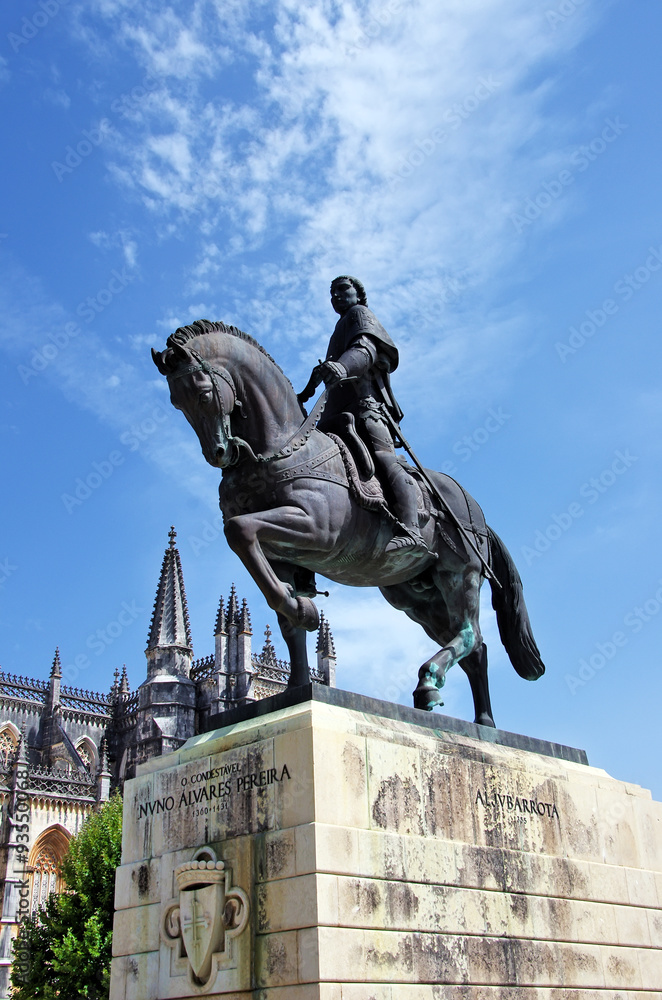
<point>293,505</point>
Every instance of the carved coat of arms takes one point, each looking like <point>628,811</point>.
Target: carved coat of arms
<point>201,923</point>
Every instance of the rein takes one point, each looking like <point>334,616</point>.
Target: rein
<point>301,434</point>
<point>293,443</point>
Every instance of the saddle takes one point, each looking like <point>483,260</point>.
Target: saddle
<point>343,426</point>
<point>364,485</point>
<point>368,492</point>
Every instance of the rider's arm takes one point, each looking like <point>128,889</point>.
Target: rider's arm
<point>356,361</point>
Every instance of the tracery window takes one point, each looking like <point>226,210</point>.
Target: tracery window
<point>44,877</point>
<point>44,863</point>
<point>7,747</point>
<point>86,751</point>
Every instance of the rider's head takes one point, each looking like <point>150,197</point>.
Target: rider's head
<point>346,292</point>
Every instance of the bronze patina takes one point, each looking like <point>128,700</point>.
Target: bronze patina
<point>296,500</point>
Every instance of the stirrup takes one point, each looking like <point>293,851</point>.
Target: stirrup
<point>409,542</point>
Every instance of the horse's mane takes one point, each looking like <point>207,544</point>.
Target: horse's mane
<point>183,334</point>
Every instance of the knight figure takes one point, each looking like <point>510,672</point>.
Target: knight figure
<point>356,371</point>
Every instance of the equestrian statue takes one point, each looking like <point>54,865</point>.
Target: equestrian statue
<point>326,493</point>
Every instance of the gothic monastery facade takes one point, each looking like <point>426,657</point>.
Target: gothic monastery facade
<point>63,751</point>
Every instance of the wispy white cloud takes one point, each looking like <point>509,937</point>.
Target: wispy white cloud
<point>58,97</point>
<point>122,239</point>
<point>400,153</point>
<point>93,375</point>
<point>390,140</point>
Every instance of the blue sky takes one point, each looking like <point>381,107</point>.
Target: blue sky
<point>488,168</point>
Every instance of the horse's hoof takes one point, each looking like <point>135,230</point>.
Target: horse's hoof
<point>431,675</point>
<point>308,616</point>
<point>485,719</point>
<point>427,698</point>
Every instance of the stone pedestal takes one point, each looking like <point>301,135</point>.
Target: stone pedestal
<point>331,850</point>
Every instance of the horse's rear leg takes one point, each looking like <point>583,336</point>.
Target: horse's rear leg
<point>461,597</point>
<point>475,667</point>
<point>432,675</point>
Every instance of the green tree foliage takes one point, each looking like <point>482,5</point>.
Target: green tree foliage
<point>65,949</point>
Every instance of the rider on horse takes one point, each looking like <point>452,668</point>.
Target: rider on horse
<point>356,372</point>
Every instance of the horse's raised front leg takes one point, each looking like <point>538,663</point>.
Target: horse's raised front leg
<point>291,529</point>
<point>463,604</point>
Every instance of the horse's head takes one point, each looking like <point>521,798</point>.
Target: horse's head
<point>206,395</point>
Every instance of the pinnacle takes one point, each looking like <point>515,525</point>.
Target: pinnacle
<point>170,622</point>
<point>320,632</point>
<point>103,755</point>
<point>325,645</point>
<point>22,754</point>
<point>233,607</point>
<point>245,619</point>
<point>56,669</point>
<point>268,654</point>
<point>219,628</point>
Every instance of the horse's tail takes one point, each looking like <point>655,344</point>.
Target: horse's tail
<point>511,614</point>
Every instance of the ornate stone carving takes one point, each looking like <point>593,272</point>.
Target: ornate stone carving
<point>202,923</point>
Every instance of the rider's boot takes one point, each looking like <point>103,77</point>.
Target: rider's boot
<point>405,495</point>
<point>304,581</point>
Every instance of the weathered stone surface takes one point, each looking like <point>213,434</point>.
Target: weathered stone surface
<point>385,861</point>
<point>138,884</point>
<point>136,931</point>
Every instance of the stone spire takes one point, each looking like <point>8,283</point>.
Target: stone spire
<point>325,644</point>
<point>219,627</point>
<point>232,616</point>
<point>124,681</point>
<point>167,699</point>
<point>233,658</point>
<point>220,639</point>
<point>326,652</point>
<point>56,669</point>
<point>22,749</point>
<point>170,623</point>
<point>244,621</point>
<point>103,774</point>
<point>51,733</point>
<point>54,683</point>
<point>268,654</point>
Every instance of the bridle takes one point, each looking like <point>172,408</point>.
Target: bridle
<point>293,443</point>
<point>200,365</point>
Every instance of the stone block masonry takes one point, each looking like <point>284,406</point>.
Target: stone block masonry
<point>326,851</point>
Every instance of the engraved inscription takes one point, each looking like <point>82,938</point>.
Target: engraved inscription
<point>516,804</point>
<point>217,793</point>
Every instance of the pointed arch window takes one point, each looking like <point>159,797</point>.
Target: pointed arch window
<point>44,877</point>
<point>45,859</point>
<point>87,752</point>
<point>8,744</point>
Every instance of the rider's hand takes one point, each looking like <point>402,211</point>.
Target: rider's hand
<point>313,382</point>
<point>332,373</point>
